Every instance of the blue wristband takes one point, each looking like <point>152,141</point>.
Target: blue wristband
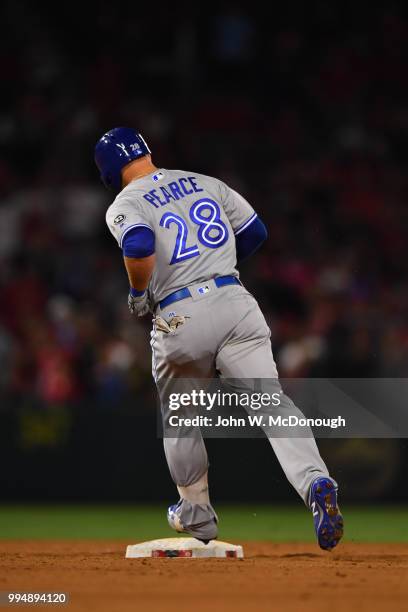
<point>136,293</point>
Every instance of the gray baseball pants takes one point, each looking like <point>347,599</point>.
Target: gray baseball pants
<point>224,334</point>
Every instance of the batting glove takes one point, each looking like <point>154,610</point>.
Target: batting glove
<point>138,304</point>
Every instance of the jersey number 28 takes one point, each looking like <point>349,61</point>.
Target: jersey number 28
<point>212,232</point>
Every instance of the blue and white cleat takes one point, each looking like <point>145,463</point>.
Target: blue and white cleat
<point>174,519</point>
<point>200,518</point>
<point>327,517</point>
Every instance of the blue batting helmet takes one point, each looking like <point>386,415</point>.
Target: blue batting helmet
<point>116,149</point>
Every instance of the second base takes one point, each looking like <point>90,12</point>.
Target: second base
<point>189,548</point>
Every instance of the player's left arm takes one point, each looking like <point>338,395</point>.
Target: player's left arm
<point>139,271</point>
<point>138,253</point>
<point>131,225</point>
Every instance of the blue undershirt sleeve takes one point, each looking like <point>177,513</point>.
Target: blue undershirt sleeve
<point>250,239</point>
<point>138,242</point>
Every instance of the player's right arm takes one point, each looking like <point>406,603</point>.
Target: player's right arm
<point>250,232</point>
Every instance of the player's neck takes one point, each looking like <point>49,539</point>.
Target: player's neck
<point>137,169</point>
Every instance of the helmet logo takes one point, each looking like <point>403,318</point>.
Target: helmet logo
<point>122,146</point>
<point>119,219</point>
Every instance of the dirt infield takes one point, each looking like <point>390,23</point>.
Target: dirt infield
<point>272,577</point>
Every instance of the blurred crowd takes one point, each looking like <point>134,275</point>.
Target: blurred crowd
<point>305,114</point>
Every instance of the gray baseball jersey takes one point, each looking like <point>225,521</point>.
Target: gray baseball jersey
<point>195,219</point>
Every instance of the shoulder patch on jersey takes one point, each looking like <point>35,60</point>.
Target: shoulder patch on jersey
<point>119,219</point>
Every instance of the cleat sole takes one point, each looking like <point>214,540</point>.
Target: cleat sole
<point>329,525</point>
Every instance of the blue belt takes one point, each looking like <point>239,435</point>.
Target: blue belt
<point>182,294</point>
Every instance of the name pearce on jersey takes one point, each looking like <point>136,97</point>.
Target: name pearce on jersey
<point>176,190</point>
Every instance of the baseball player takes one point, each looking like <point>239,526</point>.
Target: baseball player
<point>182,234</point>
